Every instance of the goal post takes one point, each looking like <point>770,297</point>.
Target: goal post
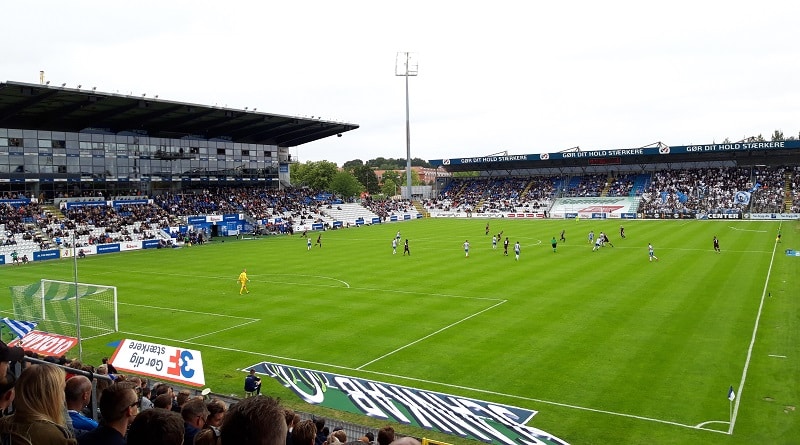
<point>67,308</point>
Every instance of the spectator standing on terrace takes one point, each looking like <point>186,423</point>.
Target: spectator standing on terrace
<point>119,405</point>
<point>243,280</point>
<point>322,431</point>
<point>254,421</point>
<point>145,402</point>
<point>385,435</point>
<point>304,433</point>
<point>78,392</point>
<point>6,388</point>
<point>194,413</point>
<point>39,408</point>
<point>156,427</point>
<point>716,244</point>
<point>405,248</point>
<point>111,368</point>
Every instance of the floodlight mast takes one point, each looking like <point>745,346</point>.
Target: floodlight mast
<point>406,65</point>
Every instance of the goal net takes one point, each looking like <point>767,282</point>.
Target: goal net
<point>61,307</point>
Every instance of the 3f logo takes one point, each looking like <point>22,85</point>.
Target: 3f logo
<point>180,364</point>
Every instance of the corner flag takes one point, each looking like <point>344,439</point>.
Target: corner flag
<point>731,394</point>
<point>20,328</point>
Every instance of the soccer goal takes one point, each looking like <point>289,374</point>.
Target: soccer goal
<point>62,307</point>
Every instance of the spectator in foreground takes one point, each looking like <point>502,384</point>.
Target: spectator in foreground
<point>255,420</point>
<point>156,427</point>
<point>304,433</point>
<point>6,390</point>
<point>194,413</point>
<point>78,392</point>
<point>119,405</point>
<point>209,435</point>
<point>322,432</point>
<point>39,409</point>
<point>385,435</point>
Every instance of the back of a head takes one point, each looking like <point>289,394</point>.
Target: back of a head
<point>304,433</point>
<point>39,394</point>
<point>76,386</point>
<point>183,396</point>
<point>163,401</point>
<point>156,427</point>
<point>385,435</point>
<point>254,421</point>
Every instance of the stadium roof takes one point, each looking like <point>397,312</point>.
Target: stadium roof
<point>743,153</point>
<point>56,108</point>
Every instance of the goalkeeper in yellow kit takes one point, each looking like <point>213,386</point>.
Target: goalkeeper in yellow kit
<point>243,280</point>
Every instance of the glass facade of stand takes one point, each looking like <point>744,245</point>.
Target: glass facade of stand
<point>52,163</point>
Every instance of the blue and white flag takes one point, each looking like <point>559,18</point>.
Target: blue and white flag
<point>731,394</point>
<point>20,328</point>
<point>755,188</point>
<point>742,198</point>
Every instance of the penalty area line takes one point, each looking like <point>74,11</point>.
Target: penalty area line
<point>430,335</point>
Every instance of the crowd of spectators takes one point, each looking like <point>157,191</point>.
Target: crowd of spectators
<point>686,191</point>
<point>387,207</point>
<point>51,400</point>
<point>489,195</point>
<point>714,190</point>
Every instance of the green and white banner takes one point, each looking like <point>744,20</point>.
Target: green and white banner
<point>467,418</point>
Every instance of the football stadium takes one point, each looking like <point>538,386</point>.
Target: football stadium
<point>629,295</point>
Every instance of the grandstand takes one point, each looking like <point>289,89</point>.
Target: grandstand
<point>748,179</point>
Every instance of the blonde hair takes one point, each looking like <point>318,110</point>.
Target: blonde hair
<point>39,394</point>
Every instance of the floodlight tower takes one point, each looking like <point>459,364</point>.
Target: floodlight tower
<point>406,65</point>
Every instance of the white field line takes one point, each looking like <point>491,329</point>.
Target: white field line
<point>430,335</point>
<point>752,340</point>
<point>188,311</point>
<point>448,385</point>
<point>223,330</point>
<point>430,382</point>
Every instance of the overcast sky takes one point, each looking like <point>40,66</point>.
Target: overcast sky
<point>523,77</point>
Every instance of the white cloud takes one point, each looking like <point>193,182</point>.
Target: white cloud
<point>511,75</point>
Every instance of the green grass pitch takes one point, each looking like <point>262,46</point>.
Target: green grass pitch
<point>607,346</point>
